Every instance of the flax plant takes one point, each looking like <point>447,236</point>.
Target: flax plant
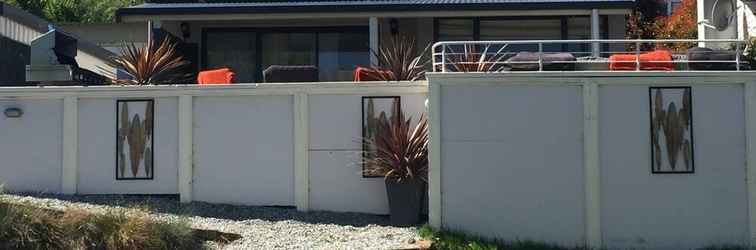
<point>401,150</point>
<point>152,64</point>
<point>470,60</point>
<point>398,60</point>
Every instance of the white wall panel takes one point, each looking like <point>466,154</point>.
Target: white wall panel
<point>31,146</point>
<point>336,182</point>
<point>673,211</point>
<point>244,150</point>
<point>97,149</point>
<point>512,161</point>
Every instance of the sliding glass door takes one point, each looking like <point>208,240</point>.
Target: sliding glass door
<point>233,49</point>
<point>335,51</point>
<point>288,49</point>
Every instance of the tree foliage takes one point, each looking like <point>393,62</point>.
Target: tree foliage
<point>74,11</point>
<point>641,21</point>
<point>648,22</point>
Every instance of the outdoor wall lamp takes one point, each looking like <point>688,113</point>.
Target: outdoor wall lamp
<point>13,112</point>
<point>186,31</point>
<point>394,26</point>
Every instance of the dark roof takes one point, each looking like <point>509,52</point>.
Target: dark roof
<point>168,7</point>
<point>42,26</point>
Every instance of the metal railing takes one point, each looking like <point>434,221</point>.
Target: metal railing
<point>465,56</point>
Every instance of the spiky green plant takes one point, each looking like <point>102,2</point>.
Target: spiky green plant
<point>399,60</point>
<point>152,64</point>
<point>471,60</point>
<point>400,149</point>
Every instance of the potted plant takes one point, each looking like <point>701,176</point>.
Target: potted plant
<point>400,154</point>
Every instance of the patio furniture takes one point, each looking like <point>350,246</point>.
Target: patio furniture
<point>216,76</point>
<point>655,60</point>
<point>290,73</point>
<point>361,75</point>
<point>528,61</point>
<point>707,54</point>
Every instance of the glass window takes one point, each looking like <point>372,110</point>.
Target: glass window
<point>235,50</point>
<point>340,53</point>
<point>579,28</point>
<point>288,49</point>
<point>455,30</point>
<point>523,29</point>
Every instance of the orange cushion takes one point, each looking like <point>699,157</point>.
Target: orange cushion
<point>656,60</point>
<point>216,76</point>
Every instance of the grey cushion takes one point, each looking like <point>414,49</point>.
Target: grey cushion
<point>290,73</point>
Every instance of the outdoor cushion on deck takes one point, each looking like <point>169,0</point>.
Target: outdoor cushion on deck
<point>655,60</point>
<point>290,73</point>
<point>707,54</point>
<point>216,76</point>
<point>528,61</point>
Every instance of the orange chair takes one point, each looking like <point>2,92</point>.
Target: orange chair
<point>656,60</point>
<point>361,75</point>
<point>216,76</point>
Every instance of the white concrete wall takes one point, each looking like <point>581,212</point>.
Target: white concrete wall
<point>643,210</point>
<point>516,158</point>
<point>244,150</point>
<point>512,159</point>
<point>335,154</point>
<point>243,144</point>
<point>30,146</point>
<point>97,153</point>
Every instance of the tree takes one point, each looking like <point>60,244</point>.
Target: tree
<point>642,18</point>
<point>74,11</point>
<point>680,25</point>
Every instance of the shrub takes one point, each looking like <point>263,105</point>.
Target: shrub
<point>401,149</point>
<point>398,60</point>
<point>27,227</point>
<point>152,64</point>
<point>22,227</point>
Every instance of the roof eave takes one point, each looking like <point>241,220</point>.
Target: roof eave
<point>366,8</point>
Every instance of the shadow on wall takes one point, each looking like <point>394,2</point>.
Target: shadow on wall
<point>170,204</point>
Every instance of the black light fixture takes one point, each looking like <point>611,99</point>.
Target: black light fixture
<point>13,112</point>
<point>394,26</point>
<point>186,31</point>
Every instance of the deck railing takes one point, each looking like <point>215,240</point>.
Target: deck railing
<point>455,56</point>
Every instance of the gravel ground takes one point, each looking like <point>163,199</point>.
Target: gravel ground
<point>260,227</point>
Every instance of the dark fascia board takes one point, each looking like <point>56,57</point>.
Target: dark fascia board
<point>236,9</point>
<point>23,17</point>
<point>41,25</point>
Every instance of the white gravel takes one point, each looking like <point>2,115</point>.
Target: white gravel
<point>260,227</point>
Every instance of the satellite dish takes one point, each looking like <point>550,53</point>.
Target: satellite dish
<point>723,14</point>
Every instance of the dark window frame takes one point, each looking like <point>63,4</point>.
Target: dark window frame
<point>259,31</point>
<point>603,25</point>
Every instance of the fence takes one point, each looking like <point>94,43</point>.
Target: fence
<point>494,56</point>
<point>567,157</point>
<point>268,144</point>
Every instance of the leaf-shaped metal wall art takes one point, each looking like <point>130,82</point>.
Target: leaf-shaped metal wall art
<point>123,131</point>
<point>148,161</point>
<point>675,123</point>
<point>136,139</point>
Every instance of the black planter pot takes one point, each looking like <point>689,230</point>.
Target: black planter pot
<point>405,201</point>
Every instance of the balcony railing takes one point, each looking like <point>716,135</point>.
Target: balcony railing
<point>588,55</point>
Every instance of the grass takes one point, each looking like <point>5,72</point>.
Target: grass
<point>28,227</point>
<point>444,240</point>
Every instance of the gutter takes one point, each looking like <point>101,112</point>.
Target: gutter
<point>257,9</point>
